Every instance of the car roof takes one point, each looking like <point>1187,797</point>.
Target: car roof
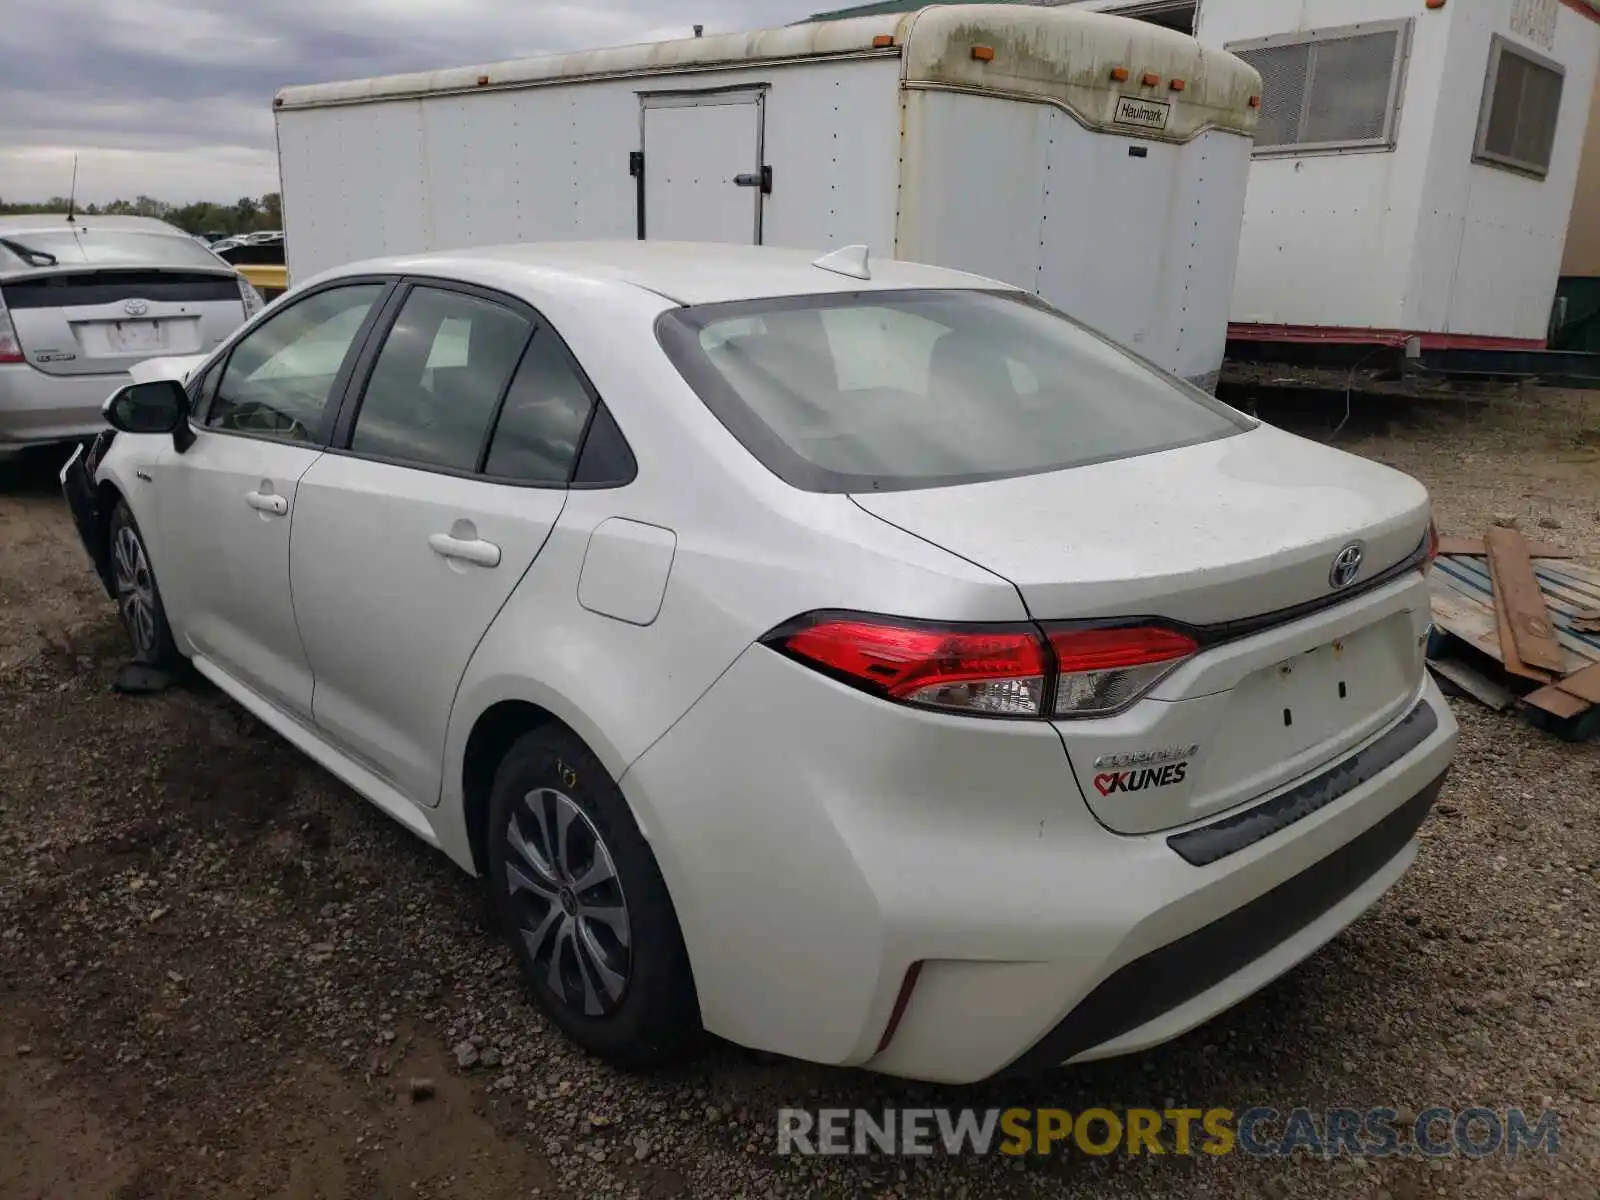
<point>684,272</point>
<point>42,222</point>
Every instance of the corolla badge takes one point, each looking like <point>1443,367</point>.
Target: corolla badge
<point>1346,566</point>
<point>1139,769</point>
<point>136,308</point>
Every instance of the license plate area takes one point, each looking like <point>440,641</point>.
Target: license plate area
<point>144,336</point>
<point>1293,715</point>
<point>1223,716</point>
<point>1315,692</point>
<point>133,336</point>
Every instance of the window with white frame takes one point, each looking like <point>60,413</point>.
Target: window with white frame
<point>1330,89</point>
<point>1521,104</point>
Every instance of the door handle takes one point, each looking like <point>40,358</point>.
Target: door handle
<point>267,502</point>
<point>470,550</point>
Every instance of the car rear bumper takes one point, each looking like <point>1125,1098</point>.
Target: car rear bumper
<point>38,409</point>
<point>823,846</point>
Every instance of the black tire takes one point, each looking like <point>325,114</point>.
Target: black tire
<point>654,1018</point>
<point>138,596</point>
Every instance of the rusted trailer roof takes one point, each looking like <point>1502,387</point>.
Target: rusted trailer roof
<point>1060,55</point>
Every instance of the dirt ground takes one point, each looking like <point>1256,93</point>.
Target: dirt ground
<point>221,974</point>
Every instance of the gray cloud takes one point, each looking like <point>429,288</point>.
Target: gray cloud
<point>172,98</point>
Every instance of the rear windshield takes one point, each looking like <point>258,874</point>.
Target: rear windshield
<point>107,247</point>
<point>889,390</point>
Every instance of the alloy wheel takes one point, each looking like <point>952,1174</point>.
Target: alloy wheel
<point>568,901</point>
<point>136,589</point>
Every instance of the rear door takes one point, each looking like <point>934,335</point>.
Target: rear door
<point>101,321</point>
<point>703,177</point>
<point>448,472</point>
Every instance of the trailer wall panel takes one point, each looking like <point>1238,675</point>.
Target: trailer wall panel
<point>1507,231</point>
<point>1328,237</point>
<point>833,139</point>
<point>551,163</point>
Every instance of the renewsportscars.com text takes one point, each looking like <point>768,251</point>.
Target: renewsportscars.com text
<point>1260,1131</point>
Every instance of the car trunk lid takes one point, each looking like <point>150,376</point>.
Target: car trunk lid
<point>1236,538</point>
<point>1216,532</point>
<point>102,320</point>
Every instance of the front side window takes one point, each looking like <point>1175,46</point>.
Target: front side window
<point>902,389</point>
<point>439,378</point>
<point>280,376</point>
<point>1329,89</point>
<point>1521,106</point>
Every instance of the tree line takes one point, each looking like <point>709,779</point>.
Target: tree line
<point>247,214</point>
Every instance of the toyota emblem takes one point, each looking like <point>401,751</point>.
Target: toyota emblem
<point>136,308</point>
<point>1346,566</point>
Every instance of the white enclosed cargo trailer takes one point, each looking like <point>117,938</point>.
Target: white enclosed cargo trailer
<point>1098,161</point>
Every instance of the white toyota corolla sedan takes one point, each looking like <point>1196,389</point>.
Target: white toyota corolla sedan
<point>858,660</point>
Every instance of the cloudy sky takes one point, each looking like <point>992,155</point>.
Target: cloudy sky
<point>173,98</point>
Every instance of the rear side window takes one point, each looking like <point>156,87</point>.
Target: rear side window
<point>606,459</point>
<point>280,375</point>
<point>438,379</point>
<point>892,390</point>
<point>544,416</point>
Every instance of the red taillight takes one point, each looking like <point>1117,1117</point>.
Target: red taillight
<point>999,670</point>
<point>992,670</point>
<point>1104,649</point>
<point>1103,670</point>
<point>10,347</point>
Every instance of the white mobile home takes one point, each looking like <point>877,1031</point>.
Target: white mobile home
<point>1098,161</point>
<point>1415,167</point>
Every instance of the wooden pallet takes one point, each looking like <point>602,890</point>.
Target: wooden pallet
<point>1463,593</point>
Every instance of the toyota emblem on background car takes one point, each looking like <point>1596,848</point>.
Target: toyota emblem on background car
<point>1346,566</point>
<point>136,308</point>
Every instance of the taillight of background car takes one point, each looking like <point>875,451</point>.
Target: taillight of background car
<point>10,346</point>
<point>250,298</point>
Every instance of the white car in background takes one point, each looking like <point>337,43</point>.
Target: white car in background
<point>861,661</point>
<point>82,300</point>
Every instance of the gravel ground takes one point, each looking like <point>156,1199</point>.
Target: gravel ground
<point>221,974</point>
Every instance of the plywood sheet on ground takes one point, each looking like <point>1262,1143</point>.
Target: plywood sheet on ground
<point>1463,605</point>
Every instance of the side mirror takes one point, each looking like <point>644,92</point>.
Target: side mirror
<point>157,406</point>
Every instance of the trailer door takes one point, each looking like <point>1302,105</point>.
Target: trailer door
<point>701,178</point>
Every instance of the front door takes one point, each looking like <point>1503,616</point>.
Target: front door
<point>226,506</point>
<point>412,532</point>
<point>703,175</point>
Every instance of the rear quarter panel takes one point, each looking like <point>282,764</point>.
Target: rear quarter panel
<point>751,552</point>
